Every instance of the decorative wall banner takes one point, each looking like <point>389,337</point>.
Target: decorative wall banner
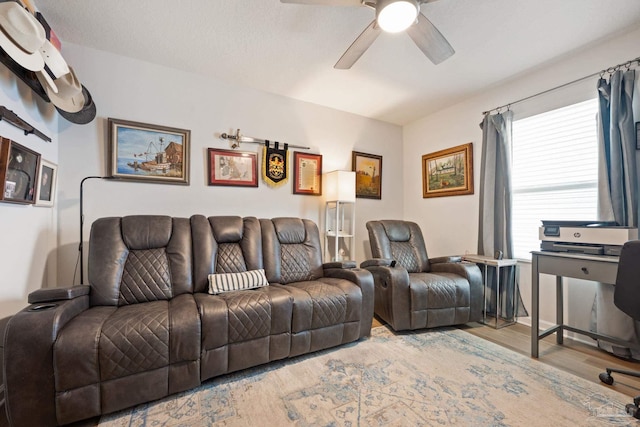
<point>275,167</point>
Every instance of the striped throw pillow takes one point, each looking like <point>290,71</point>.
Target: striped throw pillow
<point>226,282</point>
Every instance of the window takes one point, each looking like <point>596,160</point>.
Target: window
<point>555,171</point>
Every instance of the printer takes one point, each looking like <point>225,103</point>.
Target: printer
<point>585,237</point>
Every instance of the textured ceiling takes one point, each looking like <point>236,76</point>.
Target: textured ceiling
<point>290,49</point>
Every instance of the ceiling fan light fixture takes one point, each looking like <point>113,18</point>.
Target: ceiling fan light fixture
<point>394,16</point>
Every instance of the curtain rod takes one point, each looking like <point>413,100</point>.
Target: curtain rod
<point>610,70</point>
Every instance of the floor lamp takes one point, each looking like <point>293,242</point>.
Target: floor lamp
<point>81,246</point>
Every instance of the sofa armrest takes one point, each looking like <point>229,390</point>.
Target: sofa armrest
<point>363,279</point>
<point>377,262</point>
<point>392,295</point>
<point>339,264</point>
<point>28,362</point>
<point>472,273</point>
<point>439,260</point>
<point>57,294</point>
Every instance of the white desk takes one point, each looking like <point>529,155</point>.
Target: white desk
<point>484,262</point>
<point>599,268</point>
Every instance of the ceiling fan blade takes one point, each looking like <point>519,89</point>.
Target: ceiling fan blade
<point>358,47</point>
<point>430,41</point>
<point>326,2</point>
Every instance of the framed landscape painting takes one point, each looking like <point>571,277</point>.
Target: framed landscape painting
<point>148,153</point>
<point>448,172</point>
<point>368,169</point>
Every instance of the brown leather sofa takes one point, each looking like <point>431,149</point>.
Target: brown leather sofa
<point>413,291</point>
<point>145,327</point>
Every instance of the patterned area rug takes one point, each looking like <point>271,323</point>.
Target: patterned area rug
<point>428,378</point>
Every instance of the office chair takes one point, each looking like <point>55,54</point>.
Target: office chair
<point>626,297</point>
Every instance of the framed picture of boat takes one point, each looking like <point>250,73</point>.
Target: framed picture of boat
<point>148,153</point>
<point>232,167</point>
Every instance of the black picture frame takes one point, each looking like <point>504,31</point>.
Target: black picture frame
<point>19,168</point>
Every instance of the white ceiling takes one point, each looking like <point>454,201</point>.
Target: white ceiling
<point>290,49</point>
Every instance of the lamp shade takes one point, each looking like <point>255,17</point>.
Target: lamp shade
<point>339,186</point>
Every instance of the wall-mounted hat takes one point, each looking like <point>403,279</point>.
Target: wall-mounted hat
<point>21,35</point>
<point>83,116</point>
<point>54,65</point>
<point>69,96</point>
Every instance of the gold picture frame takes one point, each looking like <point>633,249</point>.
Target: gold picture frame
<point>448,172</point>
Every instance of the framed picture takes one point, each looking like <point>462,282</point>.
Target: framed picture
<point>148,153</point>
<point>18,172</point>
<point>368,169</point>
<point>307,173</point>
<point>47,181</point>
<point>448,172</point>
<point>231,167</point>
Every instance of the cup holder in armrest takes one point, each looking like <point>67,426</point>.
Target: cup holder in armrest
<point>42,307</point>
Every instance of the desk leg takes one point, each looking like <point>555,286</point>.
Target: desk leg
<point>559,310</point>
<point>498,305</point>
<point>535,294</point>
<point>484,293</point>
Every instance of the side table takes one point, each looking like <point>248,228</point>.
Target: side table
<point>486,262</point>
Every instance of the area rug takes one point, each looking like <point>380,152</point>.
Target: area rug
<point>428,378</point>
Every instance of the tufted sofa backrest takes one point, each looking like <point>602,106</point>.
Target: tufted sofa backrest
<point>136,259</point>
<point>291,249</point>
<point>401,241</point>
<point>224,244</point>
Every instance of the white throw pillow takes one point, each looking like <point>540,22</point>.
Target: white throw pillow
<point>226,282</point>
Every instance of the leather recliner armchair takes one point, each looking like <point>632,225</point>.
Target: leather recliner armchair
<point>413,291</point>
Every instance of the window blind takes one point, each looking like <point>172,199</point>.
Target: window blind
<point>555,171</point>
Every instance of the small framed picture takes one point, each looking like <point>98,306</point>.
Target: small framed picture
<point>307,173</point>
<point>148,153</point>
<point>233,168</point>
<point>368,169</point>
<point>19,167</point>
<point>448,172</point>
<point>47,181</point>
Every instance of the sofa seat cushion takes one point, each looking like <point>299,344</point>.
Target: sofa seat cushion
<point>438,299</point>
<point>244,328</point>
<point>324,302</point>
<point>106,347</point>
<point>135,339</point>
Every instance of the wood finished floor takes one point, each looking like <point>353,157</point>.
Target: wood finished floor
<point>577,358</point>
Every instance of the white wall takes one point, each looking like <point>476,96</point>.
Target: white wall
<point>28,233</point>
<point>129,89</point>
<point>450,224</point>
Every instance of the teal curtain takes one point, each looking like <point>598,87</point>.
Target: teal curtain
<point>494,228</point>
<point>617,196</point>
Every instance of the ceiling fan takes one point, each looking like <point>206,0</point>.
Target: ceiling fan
<point>391,16</point>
